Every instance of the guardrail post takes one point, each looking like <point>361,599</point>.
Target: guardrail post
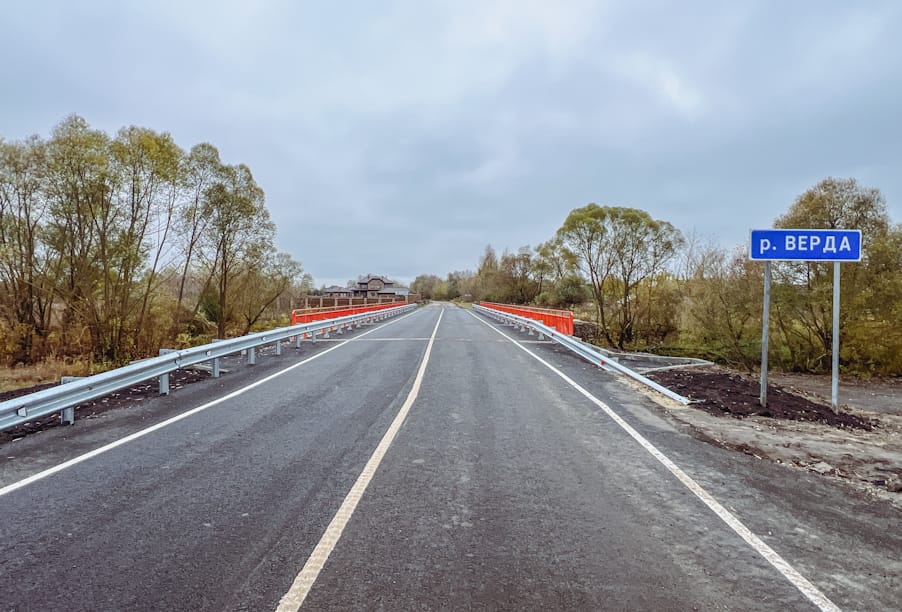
<point>252,356</point>
<point>278,347</point>
<point>67,415</point>
<point>297,341</point>
<point>164,378</point>
<point>214,367</point>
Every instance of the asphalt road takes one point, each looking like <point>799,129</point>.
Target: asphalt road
<point>505,487</point>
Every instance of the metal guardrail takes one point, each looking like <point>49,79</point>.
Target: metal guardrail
<point>322,314</point>
<point>65,397</point>
<point>591,354</point>
<point>670,362</point>
<point>561,320</point>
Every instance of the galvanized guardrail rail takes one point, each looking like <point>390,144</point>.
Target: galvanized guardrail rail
<point>65,397</point>
<point>586,351</point>
<point>644,363</point>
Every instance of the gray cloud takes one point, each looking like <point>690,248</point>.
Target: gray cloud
<point>401,138</point>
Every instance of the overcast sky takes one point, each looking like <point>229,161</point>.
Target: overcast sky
<point>401,137</point>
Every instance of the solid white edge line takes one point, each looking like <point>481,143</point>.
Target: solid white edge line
<point>300,588</point>
<point>788,571</point>
<point>140,434</point>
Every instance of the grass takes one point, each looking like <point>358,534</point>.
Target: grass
<point>49,371</point>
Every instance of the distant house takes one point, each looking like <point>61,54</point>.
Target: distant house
<point>337,292</point>
<point>369,286</point>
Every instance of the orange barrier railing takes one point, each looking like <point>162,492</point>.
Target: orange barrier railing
<point>561,320</point>
<point>309,315</point>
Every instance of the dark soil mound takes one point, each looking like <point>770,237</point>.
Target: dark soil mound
<point>719,392</point>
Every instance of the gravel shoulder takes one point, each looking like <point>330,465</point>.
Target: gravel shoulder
<point>862,445</point>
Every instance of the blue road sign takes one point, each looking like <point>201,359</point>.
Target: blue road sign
<point>805,245</point>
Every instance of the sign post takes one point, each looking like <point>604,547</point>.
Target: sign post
<point>804,245</point>
<point>834,386</point>
<point>762,398</point>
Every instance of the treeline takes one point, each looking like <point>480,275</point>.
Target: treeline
<point>648,287</point>
<point>112,246</point>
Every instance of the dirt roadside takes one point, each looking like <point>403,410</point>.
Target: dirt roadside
<point>861,446</point>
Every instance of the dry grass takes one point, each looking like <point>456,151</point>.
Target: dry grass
<point>49,371</point>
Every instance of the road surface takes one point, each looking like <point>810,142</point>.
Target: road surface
<point>437,461</point>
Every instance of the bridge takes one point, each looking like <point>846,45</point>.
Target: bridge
<point>435,460</point>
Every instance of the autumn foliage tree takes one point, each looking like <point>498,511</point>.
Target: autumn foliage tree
<point>425,285</point>
<point>722,302</point>
<point>618,249</point>
<point>25,279</point>
<point>651,289</point>
<point>870,289</point>
<point>103,241</point>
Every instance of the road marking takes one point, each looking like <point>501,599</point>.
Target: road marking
<point>789,572</point>
<point>387,339</point>
<point>140,434</point>
<point>300,588</point>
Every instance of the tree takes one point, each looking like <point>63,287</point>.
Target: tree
<point>570,290</point>
<point>27,292</point>
<point>454,286</point>
<point>839,204</point>
<point>425,285</point>
<point>723,295</point>
<point>146,164</point>
<point>519,279</point>
<point>803,290</point>
<point>555,269</point>
<point>265,277</point>
<point>237,220</point>
<point>658,313</point>
<point>102,240</point>
<point>642,247</point>
<point>80,196</point>
<point>584,236</point>
<point>617,249</point>
<point>554,259</point>
<point>111,203</point>
<point>200,170</point>
<point>485,284</point>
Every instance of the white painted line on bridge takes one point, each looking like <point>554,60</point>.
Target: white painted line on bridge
<point>789,572</point>
<point>387,339</point>
<point>300,588</point>
<point>140,434</point>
